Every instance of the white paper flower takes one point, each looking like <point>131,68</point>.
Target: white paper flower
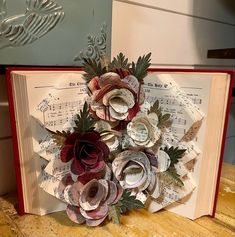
<point>143,129</point>
<point>137,170</point>
<point>109,136</point>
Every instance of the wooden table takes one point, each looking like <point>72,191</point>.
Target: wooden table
<point>138,223</point>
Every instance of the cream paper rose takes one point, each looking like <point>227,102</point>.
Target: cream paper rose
<point>90,203</point>
<point>136,170</point>
<point>143,129</point>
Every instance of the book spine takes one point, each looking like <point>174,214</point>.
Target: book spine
<point>21,209</point>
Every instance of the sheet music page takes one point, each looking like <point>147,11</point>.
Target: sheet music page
<point>54,98</point>
<point>197,88</point>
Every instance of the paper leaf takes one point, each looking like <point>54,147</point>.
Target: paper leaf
<point>155,108</point>
<point>84,121</point>
<point>162,118</point>
<point>59,137</point>
<point>175,154</point>
<point>171,176</point>
<point>119,62</point>
<point>139,69</point>
<point>129,202</point>
<point>92,69</point>
<point>114,214</point>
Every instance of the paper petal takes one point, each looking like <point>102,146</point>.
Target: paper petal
<point>66,153</point>
<point>112,193</point>
<point>153,119</point>
<point>96,214</point>
<point>119,193</point>
<point>132,82</point>
<point>108,78</point>
<point>138,131</point>
<point>156,191</point>
<point>164,161</point>
<point>93,223</point>
<point>91,195</point>
<point>93,84</point>
<point>124,94</point>
<point>68,196</point>
<point>115,115</point>
<point>118,105</point>
<point>74,214</point>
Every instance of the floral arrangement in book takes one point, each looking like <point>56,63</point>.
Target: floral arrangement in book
<point>117,150</point>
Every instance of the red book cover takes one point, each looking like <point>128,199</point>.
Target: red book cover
<point>13,122</point>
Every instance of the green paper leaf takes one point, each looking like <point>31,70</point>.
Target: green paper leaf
<point>84,121</point>
<point>59,137</point>
<point>175,154</point>
<point>127,202</point>
<point>139,69</point>
<point>171,176</point>
<point>114,214</point>
<point>162,118</point>
<point>130,202</point>
<point>119,62</point>
<point>155,108</point>
<point>92,69</point>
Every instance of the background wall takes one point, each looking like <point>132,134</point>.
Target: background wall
<point>62,45</point>
<point>178,33</point>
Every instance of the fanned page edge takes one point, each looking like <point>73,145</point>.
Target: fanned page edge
<point>221,137</point>
<point>21,206</point>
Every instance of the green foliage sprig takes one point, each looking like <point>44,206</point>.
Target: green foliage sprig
<point>84,121</point>
<point>127,202</point>
<point>92,68</point>
<point>119,62</point>
<point>162,118</point>
<point>139,69</point>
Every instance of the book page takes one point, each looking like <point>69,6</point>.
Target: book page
<point>54,101</point>
<point>197,89</point>
<point>54,98</point>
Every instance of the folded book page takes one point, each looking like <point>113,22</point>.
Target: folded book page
<point>56,104</point>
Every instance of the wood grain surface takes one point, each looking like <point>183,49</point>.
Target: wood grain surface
<point>136,224</point>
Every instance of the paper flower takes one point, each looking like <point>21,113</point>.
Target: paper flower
<point>93,201</point>
<point>87,152</point>
<point>115,158</point>
<point>109,136</point>
<point>115,99</point>
<point>137,170</point>
<point>143,129</point>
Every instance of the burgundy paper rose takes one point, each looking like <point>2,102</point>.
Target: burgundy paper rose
<point>87,153</point>
<point>115,98</point>
<point>91,202</point>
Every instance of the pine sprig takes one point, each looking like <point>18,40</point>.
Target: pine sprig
<point>59,137</point>
<point>92,68</point>
<point>84,121</point>
<point>127,202</point>
<point>162,118</point>
<point>175,154</point>
<point>139,69</point>
<point>119,62</point>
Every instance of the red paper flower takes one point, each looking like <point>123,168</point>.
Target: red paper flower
<point>87,152</point>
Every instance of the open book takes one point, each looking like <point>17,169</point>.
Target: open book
<point>198,102</point>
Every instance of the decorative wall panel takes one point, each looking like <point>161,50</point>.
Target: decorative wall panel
<point>53,32</point>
